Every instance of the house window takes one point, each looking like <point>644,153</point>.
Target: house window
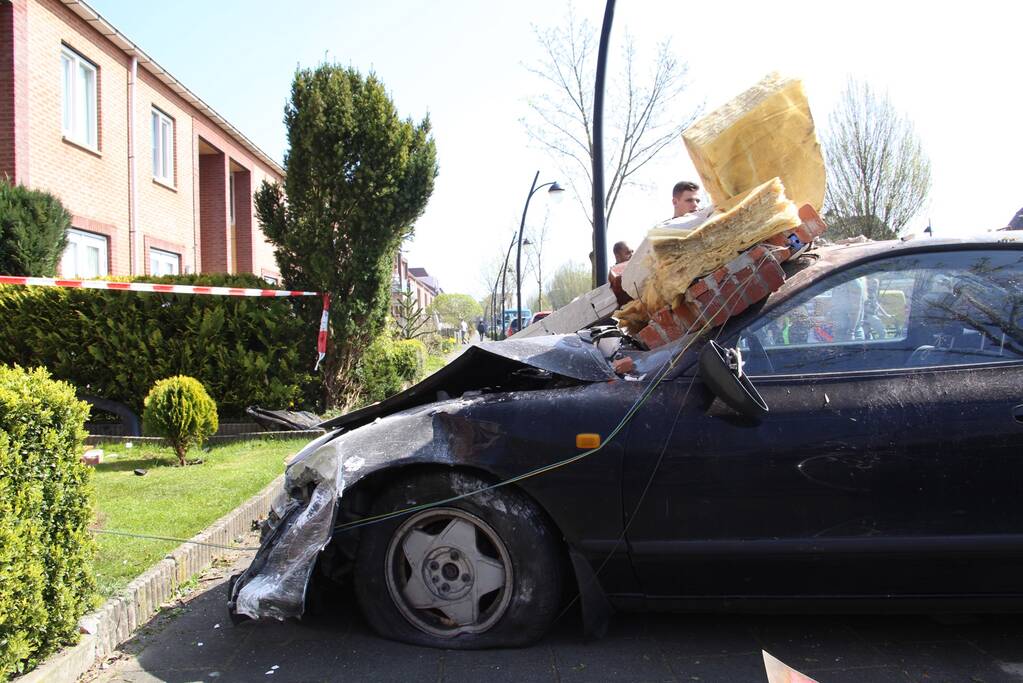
<point>163,147</point>
<point>164,262</point>
<point>85,255</point>
<point>79,110</point>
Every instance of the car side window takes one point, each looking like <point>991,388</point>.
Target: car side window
<point>920,310</point>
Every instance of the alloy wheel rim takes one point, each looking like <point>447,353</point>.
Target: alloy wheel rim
<point>448,573</point>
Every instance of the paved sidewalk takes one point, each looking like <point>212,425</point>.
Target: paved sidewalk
<point>195,641</point>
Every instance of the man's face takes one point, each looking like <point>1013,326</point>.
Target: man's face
<point>684,203</point>
<point>622,255</point>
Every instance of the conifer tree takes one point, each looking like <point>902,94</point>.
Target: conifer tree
<point>357,176</point>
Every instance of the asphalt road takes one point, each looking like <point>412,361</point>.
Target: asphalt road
<point>194,641</point>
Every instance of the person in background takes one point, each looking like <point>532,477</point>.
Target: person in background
<point>684,198</point>
<point>874,315</point>
<point>622,252</point>
<point>464,330</point>
<point>481,328</point>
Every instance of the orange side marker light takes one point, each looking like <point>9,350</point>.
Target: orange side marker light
<point>587,441</point>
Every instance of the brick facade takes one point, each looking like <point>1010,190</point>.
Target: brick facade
<point>188,214</point>
<point>425,287</point>
<point>213,212</point>
<point>13,91</point>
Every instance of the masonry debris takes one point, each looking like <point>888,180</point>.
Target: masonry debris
<point>759,160</point>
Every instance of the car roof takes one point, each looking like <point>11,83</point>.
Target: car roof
<point>838,255</point>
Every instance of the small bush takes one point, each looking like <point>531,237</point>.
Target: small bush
<point>46,550</point>
<point>436,343</point>
<point>33,231</point>
<point>388,366</point>
<point>376,374</point>
<point>410,359</point>
<point>179,409</point>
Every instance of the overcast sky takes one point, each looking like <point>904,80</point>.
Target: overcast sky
<point>953,68</point>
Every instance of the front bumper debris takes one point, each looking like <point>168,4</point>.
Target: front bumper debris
<point>275,583</point>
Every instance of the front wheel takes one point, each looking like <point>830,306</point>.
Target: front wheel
<point>481,572</point>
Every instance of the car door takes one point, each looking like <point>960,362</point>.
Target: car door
<point>890,460</point>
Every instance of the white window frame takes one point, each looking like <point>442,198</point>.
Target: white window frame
<point>162,262</point>
<point>73,264</point>
<point>79,99</point>
<point>163,147</point>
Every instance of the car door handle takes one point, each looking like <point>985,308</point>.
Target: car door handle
<point>1017,413</point>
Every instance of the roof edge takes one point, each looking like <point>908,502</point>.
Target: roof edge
<point>107,30</point>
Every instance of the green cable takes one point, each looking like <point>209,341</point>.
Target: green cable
<point>669,365</point>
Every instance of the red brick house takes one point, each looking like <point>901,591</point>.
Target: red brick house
<point>156,181</point>
<point>424,286</point>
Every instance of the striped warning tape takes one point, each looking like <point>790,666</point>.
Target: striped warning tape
<point>321,339</point>
<point>148,287</point>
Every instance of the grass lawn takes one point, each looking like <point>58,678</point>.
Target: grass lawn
<point>434,363</point>
<point>172,501</point>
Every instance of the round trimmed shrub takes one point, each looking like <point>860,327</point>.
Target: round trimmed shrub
<point>180,410</point>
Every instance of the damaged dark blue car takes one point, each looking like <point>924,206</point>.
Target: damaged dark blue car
<point>852,441</point>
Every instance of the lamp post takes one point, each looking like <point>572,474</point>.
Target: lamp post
<point>504,274</point>
<point>599,216</point>
<point>555,192</point>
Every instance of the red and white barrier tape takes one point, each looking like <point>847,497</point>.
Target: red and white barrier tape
<point>321,340</point>
<point>148,287</point>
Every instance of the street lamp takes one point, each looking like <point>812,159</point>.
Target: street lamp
<point>493,298</point>
<point>555,192</point>
<point>504,273</point>
<point>597,156</point>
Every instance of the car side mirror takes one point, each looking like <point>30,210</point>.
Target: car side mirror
<point>721,370</point>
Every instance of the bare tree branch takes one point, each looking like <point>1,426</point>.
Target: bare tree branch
<point>878,173</point>
<point>645,112</point>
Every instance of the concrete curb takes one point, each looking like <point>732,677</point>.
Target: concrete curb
<point>121,615</point>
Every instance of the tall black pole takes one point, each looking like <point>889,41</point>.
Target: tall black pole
<point>518,255</point>
<point>599,218</point>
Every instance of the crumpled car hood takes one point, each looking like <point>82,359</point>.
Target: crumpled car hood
<point>566,355</point>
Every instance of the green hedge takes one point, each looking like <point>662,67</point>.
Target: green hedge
<point>45,547</point>
<point>116,345</point>
<point>388,366</point>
